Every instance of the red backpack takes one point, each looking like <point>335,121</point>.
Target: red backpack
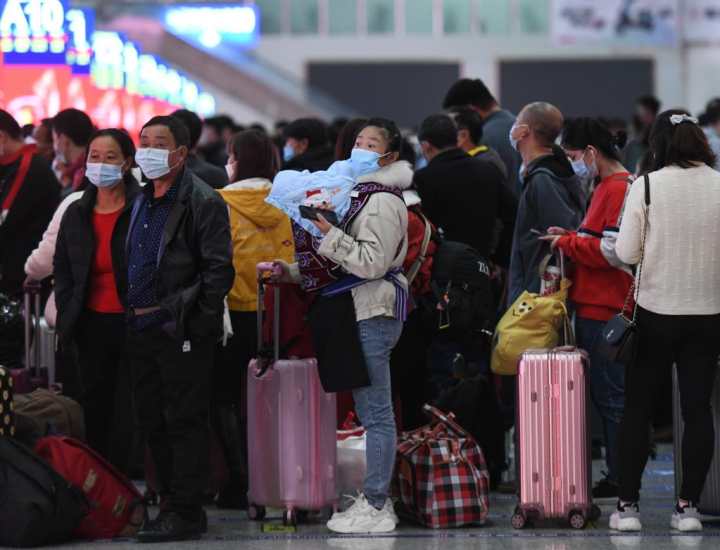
<point>117,508</point>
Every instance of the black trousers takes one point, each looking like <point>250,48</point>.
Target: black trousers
<point>692,342</point>
<point>105,385</point>
<point>229,395</point>
<point>409,372</point>
<point>171,388</point>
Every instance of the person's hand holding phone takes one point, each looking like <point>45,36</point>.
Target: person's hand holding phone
<point>314,214</point>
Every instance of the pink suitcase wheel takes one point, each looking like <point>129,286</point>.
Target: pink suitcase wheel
<point>256,513</point>
<point>518,520</point>
<point>290,517</point>
<point>577,520</point>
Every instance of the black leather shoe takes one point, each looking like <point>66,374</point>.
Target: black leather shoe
<point>172,527</point>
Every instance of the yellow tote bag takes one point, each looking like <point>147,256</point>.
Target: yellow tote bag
<point>533,322</point>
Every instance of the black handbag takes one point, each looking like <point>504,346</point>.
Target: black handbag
<point>619,339</point>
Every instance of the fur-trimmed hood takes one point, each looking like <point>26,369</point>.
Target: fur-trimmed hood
<point>398,175</point>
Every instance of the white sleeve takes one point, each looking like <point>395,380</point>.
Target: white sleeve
<point>39,264</point>
<point>632,224</point>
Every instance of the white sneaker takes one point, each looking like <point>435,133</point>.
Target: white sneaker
<point>390,507</point>
<point>686,519</point>
<point>358,503</point>
<point>363,518</point>
<point>626,518</point>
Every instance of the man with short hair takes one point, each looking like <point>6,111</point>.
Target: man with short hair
<point>215,177</point>
<point>29,194</point>
<point>71,131</point>
<point>496,121</point>
<point>306,146</point>
<point>552,194</point>
<point>470,134</point>
<point>179,261</point>
<point>42,134</point>
<point>463,195</point>
<point>468,199</point>
<point>215,136</point>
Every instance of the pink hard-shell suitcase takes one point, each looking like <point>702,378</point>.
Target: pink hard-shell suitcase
<point>554,460</point>
<point>291,432</point>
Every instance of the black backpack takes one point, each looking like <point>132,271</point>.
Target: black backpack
<point>462,290</point>
<point>37,506</point>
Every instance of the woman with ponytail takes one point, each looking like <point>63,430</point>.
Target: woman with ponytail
<point>601,282</point>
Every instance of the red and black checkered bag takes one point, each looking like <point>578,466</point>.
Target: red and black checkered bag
<point>441,474</point>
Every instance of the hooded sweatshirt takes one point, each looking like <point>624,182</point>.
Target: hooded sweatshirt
<point>260,233</point>
<point>551,196</point>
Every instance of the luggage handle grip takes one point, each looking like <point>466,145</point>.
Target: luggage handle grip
<point>262,283</point>
<point>447,420</point>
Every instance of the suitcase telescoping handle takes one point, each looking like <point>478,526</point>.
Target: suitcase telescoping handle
<point>263,281</point>
<point>32,329</point>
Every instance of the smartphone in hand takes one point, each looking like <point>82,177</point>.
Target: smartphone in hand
<point>311,213</point>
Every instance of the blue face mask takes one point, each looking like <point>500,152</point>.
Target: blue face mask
<point>580,168</point>
<point>103,175</point>
<point>513,141</point>
<point>366,161</point>
<point>288,153</point>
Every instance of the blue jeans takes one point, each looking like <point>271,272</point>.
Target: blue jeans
<point>373,404</point>
<point>607,389</point>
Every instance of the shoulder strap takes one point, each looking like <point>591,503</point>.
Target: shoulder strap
<point>417,264</point>
<point>638,275</point>
<point>19,179</point>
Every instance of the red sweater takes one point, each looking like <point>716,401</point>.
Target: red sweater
<point>103,296</point>
<point>601,282</point>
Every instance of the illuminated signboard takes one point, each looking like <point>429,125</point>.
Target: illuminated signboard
<point>119,65</point>
<point>80,23</point>
<point>211,26</point>
<point>32,32</point>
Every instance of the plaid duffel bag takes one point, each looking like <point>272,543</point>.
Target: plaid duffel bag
<point>441,474</point>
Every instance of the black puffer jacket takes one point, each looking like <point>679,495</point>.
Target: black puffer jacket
<point>195,270</point>
<point>75,251</point>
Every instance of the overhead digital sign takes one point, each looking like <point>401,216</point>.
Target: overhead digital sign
<point>80,26</point>
<point>32,32</point>
<point>51,58</point>
<point>213,25</point>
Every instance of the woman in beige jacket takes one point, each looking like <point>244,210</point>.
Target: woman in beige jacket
<point>369,247</point>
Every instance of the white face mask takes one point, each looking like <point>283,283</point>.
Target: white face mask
<point>230,169</point>
<point>103,175</point>
<point>154,163</point>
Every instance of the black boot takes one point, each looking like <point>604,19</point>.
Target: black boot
<point>233,437</point>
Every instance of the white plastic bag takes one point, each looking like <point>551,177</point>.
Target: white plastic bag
<point>351,465</point>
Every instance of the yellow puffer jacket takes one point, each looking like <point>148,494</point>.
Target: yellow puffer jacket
<point>260,233</point>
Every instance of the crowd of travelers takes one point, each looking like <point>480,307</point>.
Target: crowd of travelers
<point>147,246</point>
